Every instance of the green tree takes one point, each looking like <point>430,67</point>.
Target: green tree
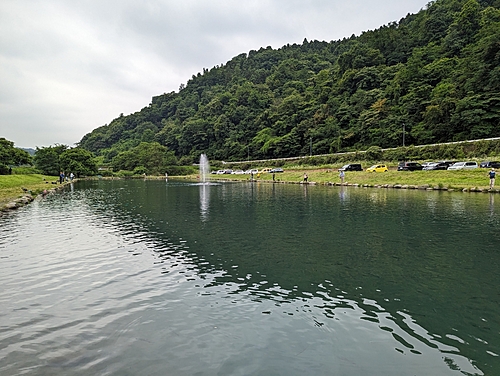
<point>9,155</point>
<point>47,159</point>
<point>78,161</point>
<point>150,156</point>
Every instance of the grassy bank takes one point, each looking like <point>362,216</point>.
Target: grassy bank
<point>11,186</point>
<point>445,179</point>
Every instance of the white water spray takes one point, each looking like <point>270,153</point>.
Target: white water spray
<point>204,168</point>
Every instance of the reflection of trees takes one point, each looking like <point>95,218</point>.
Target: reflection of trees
<point>395,257</point>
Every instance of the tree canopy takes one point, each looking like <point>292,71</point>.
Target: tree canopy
<point>11,156</point>
<point>53,159</point>
<point>437,73</point>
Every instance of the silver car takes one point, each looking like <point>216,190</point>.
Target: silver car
<point>463,166</point>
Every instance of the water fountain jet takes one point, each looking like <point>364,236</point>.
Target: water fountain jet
<point>204,168</point>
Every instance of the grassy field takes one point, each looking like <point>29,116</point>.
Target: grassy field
<point>11,186</point>
<point>477,178</point>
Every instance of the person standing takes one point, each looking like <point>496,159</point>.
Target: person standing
<point>71,176</point>
<point>492,178</point>
<point>342,176</point>
<point>61,177</point>
<point>305,178</point>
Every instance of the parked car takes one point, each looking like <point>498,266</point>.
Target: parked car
<point>228,171</point>
<point>264,170</point>
<point>277,169</point>
<point>252,171</point>
<point>425,164</point>
<point>437,166</point>
<point>463,166</point>
<point>351,167</point>
<point>220,172</point>
<point>490,164</point>
<point>238,172</point>
<point>409,166</point>
<point>377,168</point>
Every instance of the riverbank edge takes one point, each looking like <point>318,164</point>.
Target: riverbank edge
<point>425,187</point>
<point>28,197</point>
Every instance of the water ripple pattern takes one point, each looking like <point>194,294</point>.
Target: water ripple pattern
<point>156,278</point>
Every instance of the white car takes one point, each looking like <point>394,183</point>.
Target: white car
<point>238,172</point>
<point>463,166</point>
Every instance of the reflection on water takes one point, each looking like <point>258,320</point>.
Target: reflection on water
<point>148,277</point>
<point>204,201</point>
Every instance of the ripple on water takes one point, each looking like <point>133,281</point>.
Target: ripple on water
<point>88,290</point>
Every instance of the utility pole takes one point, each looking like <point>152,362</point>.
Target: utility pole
<point>311,146</point>
<point>403,135</point>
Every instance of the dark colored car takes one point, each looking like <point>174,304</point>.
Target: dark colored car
<point>351,167</point>
<point>437,166</point>
<point>490,164</point>
<point>409,166</point>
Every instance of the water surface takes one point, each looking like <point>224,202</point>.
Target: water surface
<point>154,278</point>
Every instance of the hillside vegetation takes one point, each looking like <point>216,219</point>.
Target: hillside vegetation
<point>435,73</point>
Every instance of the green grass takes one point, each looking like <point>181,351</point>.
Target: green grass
<point>448,179</point>
<point>11,186</point>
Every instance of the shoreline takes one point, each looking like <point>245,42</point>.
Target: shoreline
<point>19,201</point>
<point>28,197</point>
<point>425,187</point>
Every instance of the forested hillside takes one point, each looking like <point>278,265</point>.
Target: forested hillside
<point>437,73</point>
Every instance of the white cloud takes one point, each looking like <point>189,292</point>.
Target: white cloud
<point>69,67</point>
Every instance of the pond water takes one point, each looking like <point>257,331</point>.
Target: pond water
<point>153,278</point>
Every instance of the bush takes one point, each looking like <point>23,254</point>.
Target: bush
<point>25,171</point>
<point>139,170</point>
<point>124,174</point>
<point>373,153</point>
<point>4,170</point>
<point>106,173</point>
<point>181,170</point>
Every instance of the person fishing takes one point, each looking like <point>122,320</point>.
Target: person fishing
<point>492,174</point>
<point>342,176</point>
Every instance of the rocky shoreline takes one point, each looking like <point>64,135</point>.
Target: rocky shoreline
<point>27,198</point>
<point>18,202</point>
<point>425,187</point>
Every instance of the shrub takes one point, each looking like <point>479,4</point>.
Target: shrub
<point>124,173</point>
<point>25,171</point>
<point>373,153</point>
<point>181,170</point>
<point>139,170</point>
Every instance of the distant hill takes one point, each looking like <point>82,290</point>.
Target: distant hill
<point>30,151</point>
<point>435,73</point>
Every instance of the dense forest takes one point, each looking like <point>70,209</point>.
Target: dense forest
<point>435,74</point>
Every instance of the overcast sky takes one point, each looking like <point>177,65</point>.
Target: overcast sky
<point>70,66</point>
